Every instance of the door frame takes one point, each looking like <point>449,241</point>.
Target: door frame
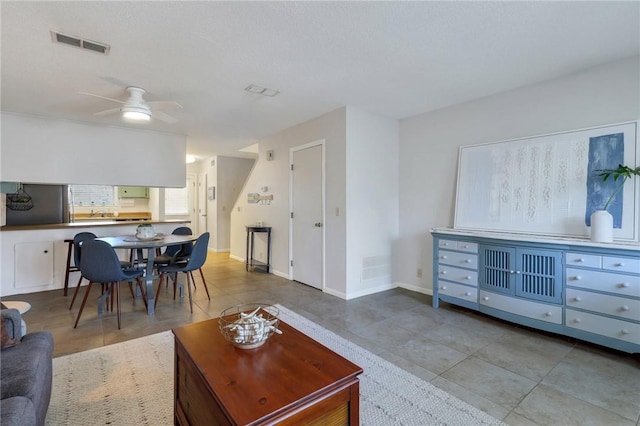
<point>321,143</point>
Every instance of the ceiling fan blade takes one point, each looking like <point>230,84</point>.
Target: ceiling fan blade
<point>164,104</point>
<point>101,97</point>
<point>164,117</point>
<point>107,112</point>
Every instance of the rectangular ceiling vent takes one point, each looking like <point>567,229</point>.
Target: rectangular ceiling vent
<point>79,42</point>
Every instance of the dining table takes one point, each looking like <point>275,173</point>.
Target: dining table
<point>138,246</point>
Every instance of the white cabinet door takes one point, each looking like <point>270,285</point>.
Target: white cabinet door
<point>33,264</point>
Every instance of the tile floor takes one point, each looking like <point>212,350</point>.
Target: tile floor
<point>521,376</point>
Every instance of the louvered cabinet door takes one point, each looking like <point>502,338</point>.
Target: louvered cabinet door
<point>497,268</point>
<point>539,275</point>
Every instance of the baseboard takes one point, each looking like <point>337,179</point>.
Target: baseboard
<point>373,290</point>
<point>222,250</point>
<point>339,294</point>
<point>234,257</point>
<point>411,287</point>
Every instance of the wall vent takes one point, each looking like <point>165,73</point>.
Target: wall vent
<point>80,43</point>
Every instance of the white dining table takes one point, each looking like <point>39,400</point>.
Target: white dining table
<point>137,245</point>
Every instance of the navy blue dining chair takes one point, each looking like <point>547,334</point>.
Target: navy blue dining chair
<point>179,253</point>
<point>100,264</point>
<point>196,260</point>
<point>78,239</point>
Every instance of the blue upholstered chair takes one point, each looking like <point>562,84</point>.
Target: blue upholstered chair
<point>78,239</point>
<point>99,263</point>
<point>196,260</point>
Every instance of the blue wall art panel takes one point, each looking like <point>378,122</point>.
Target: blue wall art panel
<point>605,152</point>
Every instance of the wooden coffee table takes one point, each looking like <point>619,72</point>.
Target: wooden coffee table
<point>290,380</point>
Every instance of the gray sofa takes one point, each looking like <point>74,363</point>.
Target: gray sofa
<point>25,374</point>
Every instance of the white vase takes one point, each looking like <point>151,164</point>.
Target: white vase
<point>601,226</point>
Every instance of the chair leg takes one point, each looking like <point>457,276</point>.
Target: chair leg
<point>142,292</point>
<point>162,276</point>
<point>117,292</point>
<point>84,300</point>
<point>75,293</point>
<point>133,295</point>
<point>175,285</point>
<point>204,283</point>
<point>189,289</point>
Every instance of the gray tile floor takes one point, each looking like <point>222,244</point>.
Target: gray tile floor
<point>522,376</point>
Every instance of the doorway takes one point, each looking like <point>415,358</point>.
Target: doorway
<point>306,230</point>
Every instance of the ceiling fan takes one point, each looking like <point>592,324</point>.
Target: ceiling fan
<point>136,108</point>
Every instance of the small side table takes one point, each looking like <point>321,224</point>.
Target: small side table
<point>22,307</point>
<point>249,260</point>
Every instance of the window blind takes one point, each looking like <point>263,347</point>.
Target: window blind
<point>92,195</point>
<point>176,201</point>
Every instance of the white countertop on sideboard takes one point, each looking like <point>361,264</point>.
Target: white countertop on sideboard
<point>551,239</point>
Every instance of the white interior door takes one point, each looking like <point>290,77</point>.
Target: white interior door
<point>202,204</point>
<point>307,221</point>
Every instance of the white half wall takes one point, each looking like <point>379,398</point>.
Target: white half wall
<point>429,145</point>
<point>42,150</point>
<point>372,201</point>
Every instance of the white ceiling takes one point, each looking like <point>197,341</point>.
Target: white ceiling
<point>397,59</point>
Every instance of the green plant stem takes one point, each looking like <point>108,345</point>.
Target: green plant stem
<point>606,206</point>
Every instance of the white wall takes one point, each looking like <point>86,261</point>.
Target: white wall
<point>372,201</point>
<point>232,174</point>
<point>429,146</point>
<point>275,174</point>
<point>41,150</point>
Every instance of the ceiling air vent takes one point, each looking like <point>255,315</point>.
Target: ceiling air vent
<point>79,42</point>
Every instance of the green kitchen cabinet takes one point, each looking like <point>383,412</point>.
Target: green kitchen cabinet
<point>133,192</point>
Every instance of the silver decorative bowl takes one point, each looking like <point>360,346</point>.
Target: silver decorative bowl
<point>250,325</point>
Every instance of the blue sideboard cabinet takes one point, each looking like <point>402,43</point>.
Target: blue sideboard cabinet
<point>570,286</point>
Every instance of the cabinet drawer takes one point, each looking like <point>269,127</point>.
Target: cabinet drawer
<point>459,291</point>
<point>626,285</point>
<point>604,304</point>
<point>458,245</point>
<point>618,329</point>
<point>459,275</point>
<point>538,311</point>
<point>583,259</point>
<point>463,260</point>
<point>467,246</point>
<point>622,264</point>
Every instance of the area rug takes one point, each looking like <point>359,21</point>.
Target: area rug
<point>131,383</point>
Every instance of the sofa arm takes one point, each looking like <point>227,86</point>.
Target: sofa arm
<point>12,322</point>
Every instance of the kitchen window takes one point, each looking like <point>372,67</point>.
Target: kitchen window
<point>176,201</point>
<point>92,195</point>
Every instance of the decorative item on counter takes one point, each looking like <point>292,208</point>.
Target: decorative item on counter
<point>145,232</point>
<point>250,325</point>
<point>602,220</point>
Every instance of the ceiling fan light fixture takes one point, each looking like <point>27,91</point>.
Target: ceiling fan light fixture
<point>136,115</point>
<point>136,112</point>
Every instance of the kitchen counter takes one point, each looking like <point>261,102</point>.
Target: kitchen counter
<point>87,224</point>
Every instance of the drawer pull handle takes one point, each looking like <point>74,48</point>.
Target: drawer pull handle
<point>577,299</point>
<point>548,314</point>
<point>465,246</point>
<point>443,272</point>
<point>467,261</point>
<point>443,257</point>
<point>468,293</point>
<point>485,298</point>
<point>624,285</point>
<point>625,331</point>
<point>518,272</point>
<point>445,244</point>
<point>468,277</point>
<point>577,278</point>
<point>619,264</point>
<point>512,272</point>
<point>444,287</point>
<point>577,320</point>
<point>624,308</point>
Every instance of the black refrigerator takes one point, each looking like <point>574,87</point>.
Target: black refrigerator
<point>50,205</point>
